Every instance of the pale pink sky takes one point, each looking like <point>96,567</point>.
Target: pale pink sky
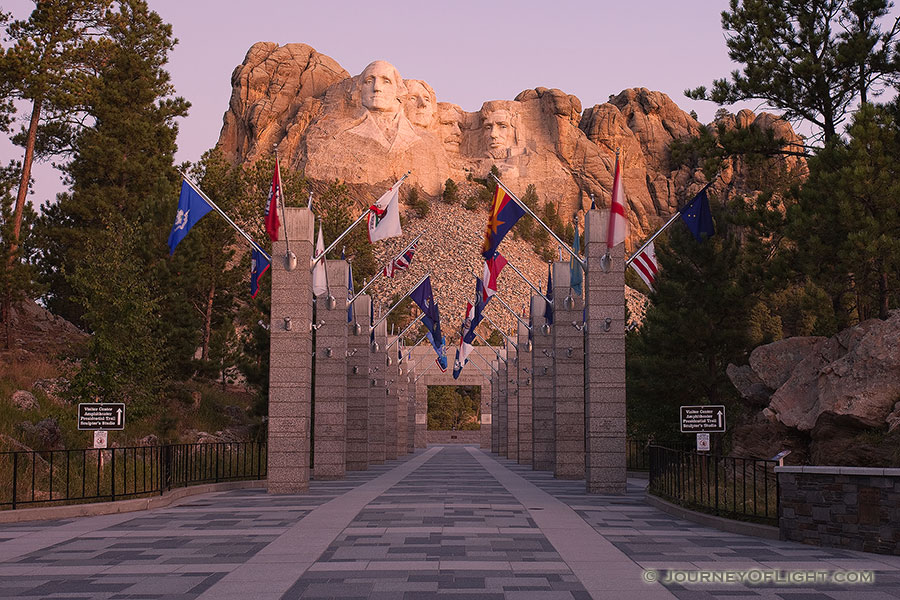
<point>469,51</point>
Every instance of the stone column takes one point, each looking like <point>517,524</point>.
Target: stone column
<point>358,382</point>
<point>495,409</point>
<point>486,413</point>
<point>524,375</point>
<point>568,388</point>
<point>389,366</point>
<point>503,407</point>
<point>398,374</point>
<point>290,358</point>
<point>410,408</point>
<point>543,436</point>
<point>377,397</point>
<point>421,410</point>
<point>605,374</point>
<point>512,403</point>
<point>330,437</point>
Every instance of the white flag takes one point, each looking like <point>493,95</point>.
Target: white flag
<point>646,266</point>
<point>384,215</point>
<point>319,279</point>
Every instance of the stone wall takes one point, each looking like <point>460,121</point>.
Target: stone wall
<point>454,437</point>
<point>846,507</point>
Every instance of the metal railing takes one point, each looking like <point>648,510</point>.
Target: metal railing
<point>742,488</point>
<point>637,452</point>
<point>74,476</point>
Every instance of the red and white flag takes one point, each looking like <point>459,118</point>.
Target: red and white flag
<point>646,266</point>
<point>319,277</point>
<point>401,263</point>
<point>492,268</point>
<point>618,224</point>
<point>384,215</point>
<point>271,214</point>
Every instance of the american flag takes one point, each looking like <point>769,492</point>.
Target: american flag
<point>646,266</point>
<point>401,263</point>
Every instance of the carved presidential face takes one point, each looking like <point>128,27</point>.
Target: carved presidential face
<point>498,131</point>
<point>380,87</point>
<point>420,104</point>
<point>451,132</point>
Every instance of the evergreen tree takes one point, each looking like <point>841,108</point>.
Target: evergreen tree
<point>450,194</point>
<point>814,60</point>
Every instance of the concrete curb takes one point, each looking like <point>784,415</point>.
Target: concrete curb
<point>70,511</point>
<point>731,526</point>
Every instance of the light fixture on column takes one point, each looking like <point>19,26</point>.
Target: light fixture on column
<point>290,261</point>
<point>545,370</point>
<point>374,346</point>
<point>545,329</point>
<point>287,323</point>
<point>330,302</point>
<point>357,329</point>
<point>329,352</point>
<point>389,361</point>
<point>372,382</point>
<point>356,370</point>
<point>569,302</point>
<point>578,326</point>
<point>605,262</point>
<point>569,352</point>
<point>316,326</point>
<point>607,324</point>
<point>528,381</point>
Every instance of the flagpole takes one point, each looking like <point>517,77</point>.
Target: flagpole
<point>408,327</point>
<point>497,296</point>
<point>541,223</point>
<point>224,216</point>
<point>287,243</point>
<point>476,366</point>
<point>663,228</point>
<point>483,341</point>
<point>405,296</point>
<point>425,370</point>
<point>500,330</point>
<point>468,360</point>
<point>354,224</point>
<point>381,273</point>
<point>525,279</point>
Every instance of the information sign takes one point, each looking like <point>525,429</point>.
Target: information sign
<point>709,418</point>
<point>101,416</point>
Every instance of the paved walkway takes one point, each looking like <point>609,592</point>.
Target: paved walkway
<point>449,522</point>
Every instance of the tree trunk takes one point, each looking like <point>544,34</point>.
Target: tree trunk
<point>26,176</point>
<point>207,323</point>
<point>883,297</point>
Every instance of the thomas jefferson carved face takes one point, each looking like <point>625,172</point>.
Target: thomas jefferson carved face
<point>381,87</point>
<point>499,134</point>
<point>420,103</point>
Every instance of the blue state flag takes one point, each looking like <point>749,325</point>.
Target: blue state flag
<point>259,264</point>
<point>424,299</point>
<point>577,275</point>
<point>697,216</point>
<point>191,208</point>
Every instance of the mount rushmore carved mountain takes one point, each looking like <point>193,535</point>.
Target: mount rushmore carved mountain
<point>368,130</point>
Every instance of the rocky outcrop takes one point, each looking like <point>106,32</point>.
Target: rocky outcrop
<point>24,400</point>
<point>834,390</point>
<point>334,126</point>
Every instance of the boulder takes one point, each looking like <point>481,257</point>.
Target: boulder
<point>43,436</point>
<point>54,389</point>
<point>24,400</point>
<point>773,363</point>
<point>752,389</point>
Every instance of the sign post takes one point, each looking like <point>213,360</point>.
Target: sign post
<point>101,416</point>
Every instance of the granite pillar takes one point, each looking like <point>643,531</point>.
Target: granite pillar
<point>605,371</point>
<point>495,410</point>
<point>486,414</point>
<point>421,409</point>
<point>524,376</point>
<point>568,387</point>
<point>542,417</point>
<point>290,358</point>
<point>377,396</point>
<point>388,365</point>
<point>512,403</point>
<point>330,439</point>
<point>358,382</point>
<point>502,407</point>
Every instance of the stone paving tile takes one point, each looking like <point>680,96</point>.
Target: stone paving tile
<point>465,535</point>
<point>656,540</point>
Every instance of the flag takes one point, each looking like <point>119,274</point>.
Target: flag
<point>492,268</point>
<point>384,215</point>
<point>271,214</point>
<point>401,263</point>
<point>548,309</point>
<point>577,275</point>
<point>697,216</point>
<point>504,213</point>
<point>618,224</point>
<point>645,264</point>
<point>319,278</point>
<point>259,264</point>
<point>191,207</point>
<point>350,292</point>
<point>424,299</point>
<point>465,340</point>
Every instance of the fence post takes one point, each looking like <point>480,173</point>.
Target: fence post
<point>216,465</point>
<point>15,478</point>
<point>716,484</point>
<point>112,479</point>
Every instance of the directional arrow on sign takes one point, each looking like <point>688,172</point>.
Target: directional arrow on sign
<point>719,414</point>
<point>119,417</point>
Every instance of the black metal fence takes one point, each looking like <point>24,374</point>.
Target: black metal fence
<point>742,488</point>
<point>72,476</point>
<point>637,452</point>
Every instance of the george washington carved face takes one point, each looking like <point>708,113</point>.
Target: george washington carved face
<point>380,87</point>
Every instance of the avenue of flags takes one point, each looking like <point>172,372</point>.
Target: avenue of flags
<point>383,222</point>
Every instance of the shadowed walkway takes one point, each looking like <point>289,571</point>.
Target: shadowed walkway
<point>449,522</point>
